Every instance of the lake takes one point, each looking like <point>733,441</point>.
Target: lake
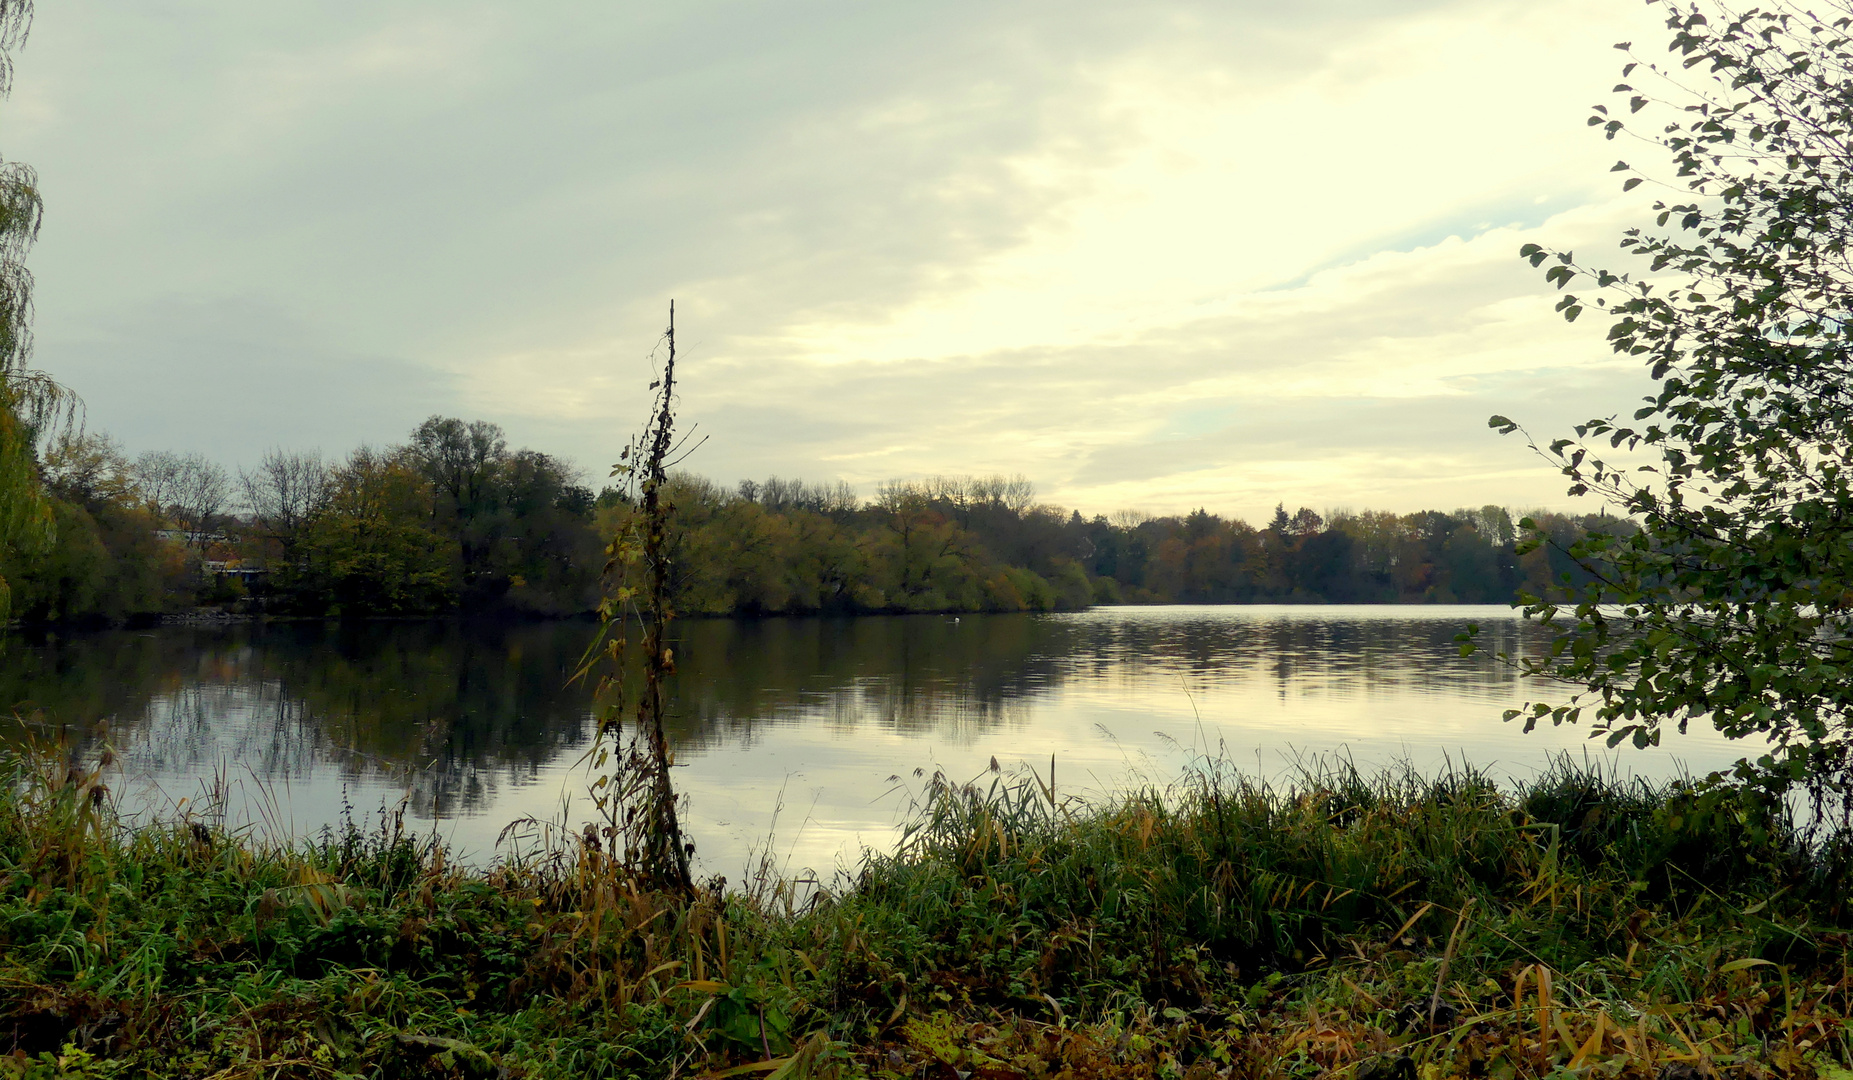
<point>804,738</point>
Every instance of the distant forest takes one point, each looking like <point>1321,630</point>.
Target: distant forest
<point>453,520</point>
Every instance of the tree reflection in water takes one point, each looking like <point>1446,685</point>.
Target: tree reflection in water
<point>453,715</point>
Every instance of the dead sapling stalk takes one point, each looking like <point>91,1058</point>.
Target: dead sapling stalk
<point>635,792</point>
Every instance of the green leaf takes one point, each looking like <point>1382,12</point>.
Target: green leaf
<point>1740,965</point>
<point>1704,605</point>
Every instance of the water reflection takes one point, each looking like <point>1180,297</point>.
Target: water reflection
<point>449,712</point>
<point>475,725</point>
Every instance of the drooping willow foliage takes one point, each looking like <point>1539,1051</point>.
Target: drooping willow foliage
<point>20,213</point>
<point>27,398</point>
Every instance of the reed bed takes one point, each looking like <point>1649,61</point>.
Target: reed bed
<point>1390,925</point>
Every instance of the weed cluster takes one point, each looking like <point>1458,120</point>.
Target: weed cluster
<point>1378,926</point>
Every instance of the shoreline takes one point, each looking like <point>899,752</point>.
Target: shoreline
<point>212,616</point>
<point>1374,925</point>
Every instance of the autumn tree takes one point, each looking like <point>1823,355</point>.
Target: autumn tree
<point>460,461</point>
<point>1732,602</point>
<point>88,467</point>
<point>371,547</point>
<point>282,493</point>
<point>186,491</point>
<point>201,491</point>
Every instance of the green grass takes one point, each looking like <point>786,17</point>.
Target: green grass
<point>1222,927</point>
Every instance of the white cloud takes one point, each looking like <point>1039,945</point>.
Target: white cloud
<point>1186,253</point>
<point>1369,385</point>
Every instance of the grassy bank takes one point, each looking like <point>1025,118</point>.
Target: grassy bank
<point>1386,926</point>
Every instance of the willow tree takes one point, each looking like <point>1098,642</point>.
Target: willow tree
<point>1733,602</point>
<point>28,399</point>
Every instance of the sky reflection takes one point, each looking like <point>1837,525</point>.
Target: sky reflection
<point>804,738</point>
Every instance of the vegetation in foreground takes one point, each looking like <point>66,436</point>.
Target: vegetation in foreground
<point>1393,926</point>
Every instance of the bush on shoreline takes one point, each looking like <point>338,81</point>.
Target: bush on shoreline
<point>1222,927</point>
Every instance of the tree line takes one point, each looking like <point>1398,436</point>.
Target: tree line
<point>450,520</point>
<point>985,543</point>
<point>454,520</point>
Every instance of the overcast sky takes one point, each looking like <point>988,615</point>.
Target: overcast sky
<point>1160,255</point>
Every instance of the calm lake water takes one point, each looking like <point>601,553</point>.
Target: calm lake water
<point>797,736</point>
